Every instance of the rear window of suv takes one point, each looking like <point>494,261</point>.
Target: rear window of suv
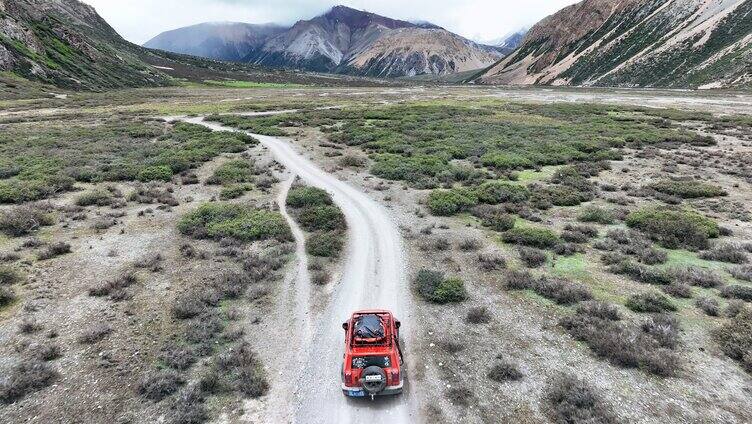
<point>368,361</point>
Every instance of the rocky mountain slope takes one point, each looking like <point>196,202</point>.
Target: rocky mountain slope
<point>648,43</point>
<point>343,40</point>
<point>66,43</point>
<point>231,41</point>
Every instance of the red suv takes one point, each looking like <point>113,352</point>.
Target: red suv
<point>373,358</point>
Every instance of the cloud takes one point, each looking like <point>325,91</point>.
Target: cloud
<point>140,20</point>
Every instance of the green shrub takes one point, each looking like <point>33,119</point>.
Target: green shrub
<point>562,195</point>
<point>674,228</point>
<point>325,244</point>
<point>451,202</point>
<point>530,236</point>
<point>506,161</point>
<point>596,214</point>
<point>234,191</point>
<point>415,170</point>
<point>449,291</point>
<point>155,173</point>
<point>233,172</point>
<point>240,222</point>
<point>321,218</point>
<point>305,196</point>
<point>652,302</point>
<point>495,192</point>
<point>687,189</point>
<point>434,287</point>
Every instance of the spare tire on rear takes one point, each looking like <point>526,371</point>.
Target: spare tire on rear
<point>373,379</point>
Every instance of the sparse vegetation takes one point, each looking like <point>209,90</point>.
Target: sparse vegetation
<point>503,371</point>
<point>160,384</point>
<point>479,315</point>
<point>491,261</point>
<point>570,400</point>
<point>648,347</point>
<point>23,220</point>
<point>559,290</point>
<point>735,338</point>
<point>98,197</point>
<point>532,258</point>
<point>26,377</point>
<point>709,305</point>
<point>94,333</point>
<point>54,250</point>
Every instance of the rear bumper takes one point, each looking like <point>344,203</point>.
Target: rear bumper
<point>360,392</point>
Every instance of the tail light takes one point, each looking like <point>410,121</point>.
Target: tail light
<point>349,379</point>
<point>395,376</point>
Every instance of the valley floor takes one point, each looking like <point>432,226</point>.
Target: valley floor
<point>150,271</point>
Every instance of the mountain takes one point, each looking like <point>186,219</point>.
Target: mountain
<point>342,40</point>
<point>67,44</point>
<point>232,41</point>
<point>646,43</point>
<point>513,40</point>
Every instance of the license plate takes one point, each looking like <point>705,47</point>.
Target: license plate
<point>356,393</point>
<point>373,378</point>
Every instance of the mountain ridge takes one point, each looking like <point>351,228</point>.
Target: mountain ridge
<point>351,41</point>
<point>646,43</point>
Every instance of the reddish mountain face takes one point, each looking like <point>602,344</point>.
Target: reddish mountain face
<point>662,43</point>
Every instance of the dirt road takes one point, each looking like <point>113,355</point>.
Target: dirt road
<point>373,276</point>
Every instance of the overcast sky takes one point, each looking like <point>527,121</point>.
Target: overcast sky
<point>140,20</point>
